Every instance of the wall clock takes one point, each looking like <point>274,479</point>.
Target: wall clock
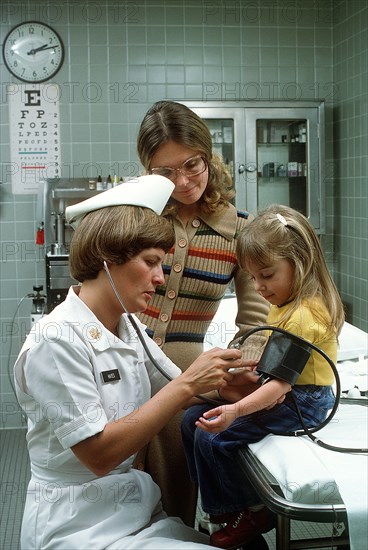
<point>33,51</point>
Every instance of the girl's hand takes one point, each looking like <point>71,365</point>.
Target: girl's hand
<point>244,382</point>
<point>217,419</point>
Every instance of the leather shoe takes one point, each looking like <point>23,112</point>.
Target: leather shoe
<point>222,518</point>
<point>243,528</point>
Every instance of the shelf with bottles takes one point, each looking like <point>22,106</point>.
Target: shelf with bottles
<point>289,169</point>
<point>281,132</point>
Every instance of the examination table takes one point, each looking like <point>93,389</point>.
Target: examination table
<point>296,478</point>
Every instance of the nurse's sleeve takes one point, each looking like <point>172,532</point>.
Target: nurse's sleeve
<point>59,377</point>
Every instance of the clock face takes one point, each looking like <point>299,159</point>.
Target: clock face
<point>33,52</point>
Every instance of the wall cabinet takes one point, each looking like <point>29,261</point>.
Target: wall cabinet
<point>274,151</point>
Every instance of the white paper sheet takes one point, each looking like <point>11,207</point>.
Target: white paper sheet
<point>310,474</point>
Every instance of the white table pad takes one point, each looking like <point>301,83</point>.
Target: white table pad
<point>310,474</point>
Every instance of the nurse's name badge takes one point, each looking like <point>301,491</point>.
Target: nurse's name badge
<point>109,376</point>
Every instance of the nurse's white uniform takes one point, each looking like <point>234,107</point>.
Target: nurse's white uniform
<point>59,382</point>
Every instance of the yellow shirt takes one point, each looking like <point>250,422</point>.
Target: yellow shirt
<point>305,323</point>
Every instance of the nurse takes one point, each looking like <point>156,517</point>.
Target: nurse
<point>90,389</point>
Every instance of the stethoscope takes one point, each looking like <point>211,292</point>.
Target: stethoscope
<point>266,374</point>
<point>144,343</point>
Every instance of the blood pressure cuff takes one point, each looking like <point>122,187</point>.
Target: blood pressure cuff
<point>284,357</point>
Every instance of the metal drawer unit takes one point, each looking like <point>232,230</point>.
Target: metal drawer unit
<point>58,279</point>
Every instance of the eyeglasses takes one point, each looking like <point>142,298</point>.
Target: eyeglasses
<point>191,167</point>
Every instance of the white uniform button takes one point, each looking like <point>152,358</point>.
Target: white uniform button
<point>196,223</point>
<point>177,268</point>
<point>182,243</point>
<point>164,317</point>
<point>171,294</point>
<point>158,341</point>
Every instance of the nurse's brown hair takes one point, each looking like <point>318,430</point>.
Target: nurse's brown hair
<point>116,234</point>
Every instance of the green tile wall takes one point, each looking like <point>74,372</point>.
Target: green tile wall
<point>349,194</point>
<point>134,53</point>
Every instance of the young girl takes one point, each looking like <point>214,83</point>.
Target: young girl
<point>283,256</point>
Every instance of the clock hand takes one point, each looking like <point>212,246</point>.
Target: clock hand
<point>41,48</point>
<point>34,50</point>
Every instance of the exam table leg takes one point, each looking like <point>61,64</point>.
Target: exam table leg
<point>282,533</point>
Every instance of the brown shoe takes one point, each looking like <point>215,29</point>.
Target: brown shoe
<point>243,528</point>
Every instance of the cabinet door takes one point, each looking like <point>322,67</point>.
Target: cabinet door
<point>226,126</point>
<point>222,133</point>
<point>282,150</point>
<point>274,153</point>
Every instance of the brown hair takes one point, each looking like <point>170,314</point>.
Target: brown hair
<point>170,121</point>
<point>116,234</point>
<point>267,239</point>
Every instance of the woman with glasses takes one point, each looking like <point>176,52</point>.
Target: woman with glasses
<point>174,142</point>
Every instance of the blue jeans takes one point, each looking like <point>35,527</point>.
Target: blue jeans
<point>211,465</point>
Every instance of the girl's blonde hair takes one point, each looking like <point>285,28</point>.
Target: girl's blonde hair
<point>280,232</point>
<point>170,121</point>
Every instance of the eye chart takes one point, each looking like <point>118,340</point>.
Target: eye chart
<point>34,135</point>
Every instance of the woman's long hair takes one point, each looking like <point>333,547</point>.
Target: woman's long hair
<point>269,238</point>
<point>170,121</point>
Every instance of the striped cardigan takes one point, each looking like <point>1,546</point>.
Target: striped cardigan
<point>198,270</point>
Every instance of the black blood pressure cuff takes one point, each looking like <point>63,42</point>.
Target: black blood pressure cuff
<point>284,357</point>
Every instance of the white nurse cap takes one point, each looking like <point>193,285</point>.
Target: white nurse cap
<point>151,191</point>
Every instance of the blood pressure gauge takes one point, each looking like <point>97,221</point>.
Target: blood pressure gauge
<point>33,51</point>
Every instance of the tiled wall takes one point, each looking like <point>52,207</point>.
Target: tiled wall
<point>349,194</point>
<point>123,56</point>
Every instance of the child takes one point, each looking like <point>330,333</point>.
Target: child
<point>282,254</point>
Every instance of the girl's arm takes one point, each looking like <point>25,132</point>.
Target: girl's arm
<point>266,396</point>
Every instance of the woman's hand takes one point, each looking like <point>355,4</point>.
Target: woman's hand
<point>217,419</point>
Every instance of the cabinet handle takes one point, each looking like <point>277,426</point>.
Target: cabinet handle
<point>248,168</point>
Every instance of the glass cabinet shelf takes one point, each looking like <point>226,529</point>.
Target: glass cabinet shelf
<point>282,162</point>
<point>274,152</point>
<point>222,133</point>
